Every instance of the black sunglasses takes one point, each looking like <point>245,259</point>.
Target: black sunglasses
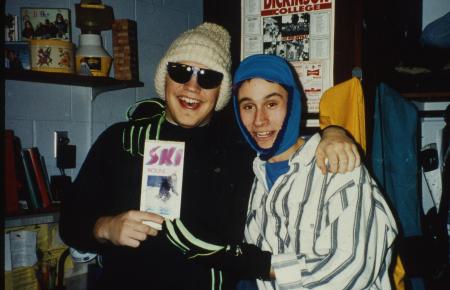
<point>182,73</point>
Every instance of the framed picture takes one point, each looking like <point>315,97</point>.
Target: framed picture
<point>17,55</point>
<point>11,28</point>
<point>45,23</point>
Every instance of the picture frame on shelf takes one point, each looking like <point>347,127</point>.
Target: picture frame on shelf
<point>11,27</point>
<point>45,23</point>
<point>17,55</point>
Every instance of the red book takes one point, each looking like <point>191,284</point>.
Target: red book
<point>11,183</point>
<point>35,157</point>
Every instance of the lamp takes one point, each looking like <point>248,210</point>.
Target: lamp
<point>92,17</point>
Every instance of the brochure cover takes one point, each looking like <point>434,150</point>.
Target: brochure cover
<point>162,176</point>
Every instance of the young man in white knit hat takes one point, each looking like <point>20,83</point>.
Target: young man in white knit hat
<point>100,213</point>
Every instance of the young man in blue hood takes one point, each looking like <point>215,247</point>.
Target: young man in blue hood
<point>332,231</point>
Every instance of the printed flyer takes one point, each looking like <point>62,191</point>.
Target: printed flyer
<point>162,176</point>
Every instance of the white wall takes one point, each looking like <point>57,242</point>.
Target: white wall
<point>433,9</point>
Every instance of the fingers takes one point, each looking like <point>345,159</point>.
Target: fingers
<point>342,162</point>
<point>340,150</point>
<point>133,238</point>
<point>347,158</point>
<point>351,161</point>
<point>125,232</point>
<point>142,230</point>
<point>141,216</point>
<point>357,156</point>
<point>131,243</point>
<point>333,162</point>
<point>152,232</point>
<point>321,161</point>
<point>342,154</point>
<point>128,229</point>
<point>354,160</point>
<point>148,216</point>
<point>338,158</point>
<point>135,233</point>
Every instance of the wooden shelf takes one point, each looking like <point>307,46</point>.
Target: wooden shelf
<point>98,84</point>
<point>427,96</point>
<point>32,218</point>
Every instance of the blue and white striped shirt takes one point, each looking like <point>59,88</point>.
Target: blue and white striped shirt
<point>332,231</point>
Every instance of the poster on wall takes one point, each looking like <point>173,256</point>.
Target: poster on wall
<point>301,31</point>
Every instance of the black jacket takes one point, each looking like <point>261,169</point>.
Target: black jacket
<point>216,185</point>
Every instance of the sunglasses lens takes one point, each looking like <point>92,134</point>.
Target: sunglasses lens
<point>179,72</point>
<point>182,73</point>
<point>209,79</point>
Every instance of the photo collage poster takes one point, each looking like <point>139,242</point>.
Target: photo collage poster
<point>300,31</point>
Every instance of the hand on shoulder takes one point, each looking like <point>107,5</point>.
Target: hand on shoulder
<point>337,152</point>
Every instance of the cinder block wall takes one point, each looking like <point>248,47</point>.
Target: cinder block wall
<point>35,110</point>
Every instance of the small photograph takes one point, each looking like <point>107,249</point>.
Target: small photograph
<point>45,23</point>
<point>11,28</point>
<point>270,48</point>
<point>161,195</point>
<point>17,56</point>
<point>281,49</point>
<point>272,29</point>
<point>297,50</point>
<point>295,25</point>
<point>166,186</point>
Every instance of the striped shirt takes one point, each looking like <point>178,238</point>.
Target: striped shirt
<point>332,231</point>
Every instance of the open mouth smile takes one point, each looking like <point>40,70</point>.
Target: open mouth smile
<point>263,134</point>
<point>189,103</point>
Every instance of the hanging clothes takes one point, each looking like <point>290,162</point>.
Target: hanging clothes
<point>395,166</point>
<point>394,156</point>
<point>343,105</point>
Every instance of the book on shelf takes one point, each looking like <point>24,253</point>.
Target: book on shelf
<point>162,178</point>
<point>27,184</point>
<point>53,199</point>
<point>24,192</point>
<point>17,189</point>
<point>25,202</point>
<point>38,171</point>
<point>12,185</point>
<point>30,181</point>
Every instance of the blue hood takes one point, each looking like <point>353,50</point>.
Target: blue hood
<point>276,69</point>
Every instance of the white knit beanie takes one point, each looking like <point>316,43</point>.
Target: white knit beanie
<point>207,44</point>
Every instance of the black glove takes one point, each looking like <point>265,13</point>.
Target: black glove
<point>144,120</point>
<point>245,260</point>
<point>146,109</point>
